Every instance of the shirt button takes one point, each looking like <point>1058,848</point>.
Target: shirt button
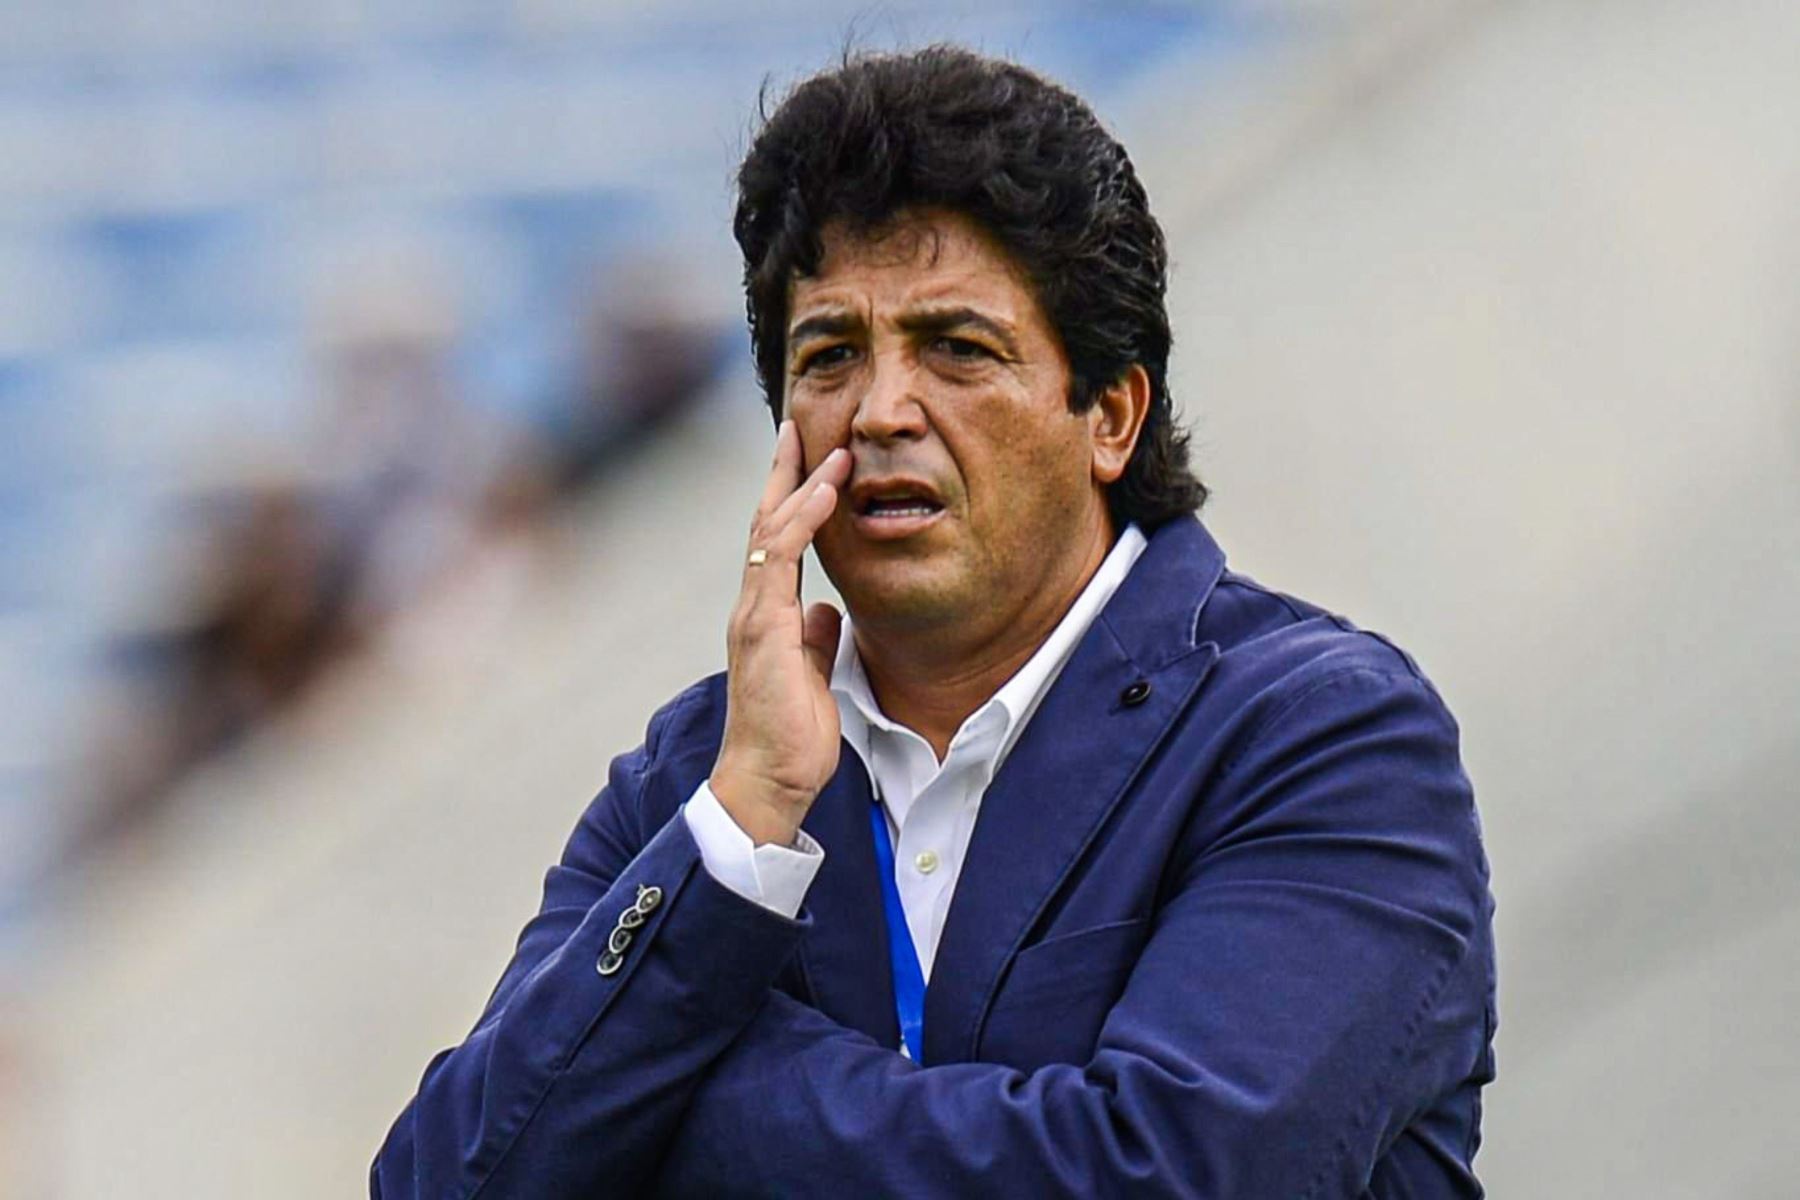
<point>926,861</point>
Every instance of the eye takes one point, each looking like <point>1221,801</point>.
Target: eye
<point>961,349</point>
<point>825,358</point>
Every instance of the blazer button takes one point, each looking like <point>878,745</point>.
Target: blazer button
<point>631,918</point>
<point>620,939</point>
<point>1136,694</point>
<point>648,897</point>
<point>609,963</point>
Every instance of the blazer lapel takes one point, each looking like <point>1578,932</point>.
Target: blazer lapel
<point>844,956</point>
<point>1134,671</point>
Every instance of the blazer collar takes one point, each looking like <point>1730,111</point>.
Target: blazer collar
<point>1132,675</point>
<point>1068,769</point>
<point>1156,611</point>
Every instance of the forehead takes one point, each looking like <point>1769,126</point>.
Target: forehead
<point>918,258</point>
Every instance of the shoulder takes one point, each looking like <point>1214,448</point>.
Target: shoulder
<point>1279,654</point>
<point>646,785</point>
<point>1257,624</point>
<point>692,720</point>
<point>1310,720</point>
<point>682,739</point>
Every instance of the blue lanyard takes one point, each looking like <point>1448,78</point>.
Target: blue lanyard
<point>909,979</point>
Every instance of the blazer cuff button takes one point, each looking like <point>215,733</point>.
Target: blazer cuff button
<point>620,939</point>
<point>648,897</point>
<point>609,963</point>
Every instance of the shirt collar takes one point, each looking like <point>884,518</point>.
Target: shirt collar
<point>1018,697</point>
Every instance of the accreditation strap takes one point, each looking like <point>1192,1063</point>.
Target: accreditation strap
<point>909,979</point>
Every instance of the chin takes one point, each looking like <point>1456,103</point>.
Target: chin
<point>900,595</point>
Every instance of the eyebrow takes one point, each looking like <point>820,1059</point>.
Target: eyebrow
<point>835,324</point>
<point>946,320</point>
<point>922,321</point>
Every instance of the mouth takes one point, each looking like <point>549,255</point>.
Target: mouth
<point>894,508</point>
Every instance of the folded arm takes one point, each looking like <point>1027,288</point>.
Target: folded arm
<point>573,1080</point>
<point>1308,989</point>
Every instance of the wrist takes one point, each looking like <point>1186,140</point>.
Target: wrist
<point>768,814</point>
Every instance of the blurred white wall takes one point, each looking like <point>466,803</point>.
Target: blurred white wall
<point>1500,359</point>
<point>1487,328</point>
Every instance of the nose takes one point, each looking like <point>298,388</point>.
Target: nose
<point>889,409</point>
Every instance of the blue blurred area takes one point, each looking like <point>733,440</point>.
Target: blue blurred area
<point>262,263</point>
<point>174,276</point>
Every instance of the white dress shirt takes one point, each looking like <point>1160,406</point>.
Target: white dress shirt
<point>930,805</point>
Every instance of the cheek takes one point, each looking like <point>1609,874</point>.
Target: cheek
<point>823,425</point>
<point>1025,456</point>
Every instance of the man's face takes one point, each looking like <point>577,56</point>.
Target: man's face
<point>973,494</point>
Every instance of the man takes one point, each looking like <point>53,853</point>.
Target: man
<point>1069,863</point>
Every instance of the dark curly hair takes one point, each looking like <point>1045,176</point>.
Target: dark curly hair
<point>1027,160</point>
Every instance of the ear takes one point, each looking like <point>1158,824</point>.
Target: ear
<point>1114,421</point>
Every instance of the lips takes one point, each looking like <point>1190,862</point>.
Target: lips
<point>894,497</point>
<point>899,506</point>
<point>894,506</point>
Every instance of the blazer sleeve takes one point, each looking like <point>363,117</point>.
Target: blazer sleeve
<point>572,1080</point>
<point>1315,979</point>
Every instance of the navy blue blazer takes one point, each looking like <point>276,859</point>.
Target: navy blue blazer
<point>1223,930</point>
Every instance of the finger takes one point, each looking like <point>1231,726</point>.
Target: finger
<point>772,566</point>
<point>777,565</point>
<point>772,571</point>
<point>819,634</point>
<point>808,517</point>
<point>784,471</point>
<point>834,471</point>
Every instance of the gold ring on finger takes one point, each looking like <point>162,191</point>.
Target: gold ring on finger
<point>758,557</point>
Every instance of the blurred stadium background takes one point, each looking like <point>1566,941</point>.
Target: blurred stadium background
<point>377,433</point>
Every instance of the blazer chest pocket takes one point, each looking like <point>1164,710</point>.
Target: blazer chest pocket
<point>1055,998</point>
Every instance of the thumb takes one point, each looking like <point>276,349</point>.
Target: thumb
<point>819,634</point>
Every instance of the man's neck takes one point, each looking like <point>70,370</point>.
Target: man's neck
<point>931,682</point>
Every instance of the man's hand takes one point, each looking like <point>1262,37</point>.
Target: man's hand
<point>781,724</point>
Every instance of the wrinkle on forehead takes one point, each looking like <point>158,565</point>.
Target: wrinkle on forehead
<point>915,238</point>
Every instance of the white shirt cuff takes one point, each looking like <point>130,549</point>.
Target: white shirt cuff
<point>775,877</point>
